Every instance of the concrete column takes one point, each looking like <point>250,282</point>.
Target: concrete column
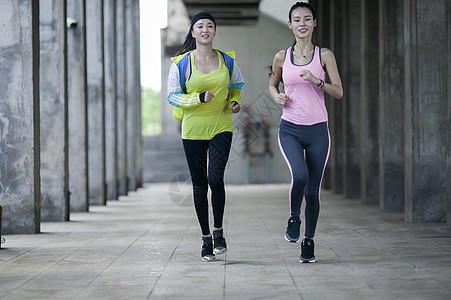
<point>78,116</point>
<point>329,42</point>
<point>19,117</point>
<point>391,106</point>
<point>322,38</point>
<point>138,124</point>
<point>425,109</point>
<point>110,99</point>
<point>120,95</point>
<point>96,101</point>
<point>53,111</point>
<point>448,164</point>
<point>369,101</point>
<point>130,79</point>
<point>336,109</point>
<point>351,100</point>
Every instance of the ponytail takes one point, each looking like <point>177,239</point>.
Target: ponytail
<point>189,44</point>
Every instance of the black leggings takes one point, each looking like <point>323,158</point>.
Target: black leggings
<point>218,150</point>
<point>306,151</point>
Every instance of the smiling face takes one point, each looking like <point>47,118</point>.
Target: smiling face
<point>302,22</point>
<point>204,31</point>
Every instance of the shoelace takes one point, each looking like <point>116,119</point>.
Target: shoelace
<point>292,227</point>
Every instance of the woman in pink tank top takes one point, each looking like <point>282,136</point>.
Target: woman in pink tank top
<point>304,138</point>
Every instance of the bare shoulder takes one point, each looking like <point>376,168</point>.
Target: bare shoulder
<point>327,55</point>
<point>280,56</point>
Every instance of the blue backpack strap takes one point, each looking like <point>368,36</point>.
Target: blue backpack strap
<point>228,62</point>
<point>182,65</point>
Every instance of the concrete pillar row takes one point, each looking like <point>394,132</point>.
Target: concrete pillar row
<point>19,117</point>
<point>369,96</point>
<point>337,24</point>
<point>351,99</point>
<point>425,119</point>
<point>78,116</point>
<point>96,101</point>
<point>130,96</point>
<point>121,109</point>
<point>138,120</point>
<point>54,111</point>
<point>110,99</point>
<point>391,106</point>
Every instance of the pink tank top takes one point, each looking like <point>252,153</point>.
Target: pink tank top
<point>305,104</point>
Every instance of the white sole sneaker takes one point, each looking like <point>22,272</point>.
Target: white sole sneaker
<point>305,260</point>
<point>208,258</point>
<point>219,251</point>
<point>292,241</point>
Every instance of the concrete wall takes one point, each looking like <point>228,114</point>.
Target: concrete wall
<point>78,117</point>
<point>19,117</point>
<point>53,111</point>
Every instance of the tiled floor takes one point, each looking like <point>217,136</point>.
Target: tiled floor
<point>147,245</point>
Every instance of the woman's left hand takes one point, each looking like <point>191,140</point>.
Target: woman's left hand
<point>234,107</point>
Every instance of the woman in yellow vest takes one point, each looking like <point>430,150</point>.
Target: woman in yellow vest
<point>205,86</point>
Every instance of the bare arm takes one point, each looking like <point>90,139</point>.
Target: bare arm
<point>334,88</point>
<point>275,78</point>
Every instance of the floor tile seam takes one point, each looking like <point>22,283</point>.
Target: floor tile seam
<point>283,259</point>
<point>42,271</point>
<point>357,275</point>
<point>57,237</point>
<point>56,262</point>
<point>170,257</point>
<point>225,225</point>
<point>111,263</point>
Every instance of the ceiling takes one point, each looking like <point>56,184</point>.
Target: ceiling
<point>226,12</point>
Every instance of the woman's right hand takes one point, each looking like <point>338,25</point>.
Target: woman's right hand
<point>208,96</point>
<point>281,98</point>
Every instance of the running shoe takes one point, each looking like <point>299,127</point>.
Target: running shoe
<point>292,235</point>
<point>307,251</point>
<point>207,249</point>
<point>220,245</point>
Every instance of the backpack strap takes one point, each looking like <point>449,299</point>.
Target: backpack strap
<point>183,61</point>
<point>182,65</point>
<point>229,61</point>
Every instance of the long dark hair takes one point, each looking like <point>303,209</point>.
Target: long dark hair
<point>190,42</point>
<point>299,5</point>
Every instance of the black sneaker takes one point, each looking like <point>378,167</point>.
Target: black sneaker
<point>220,245</point>
<point>292,235</point>
<point>207,249</point>
<point>307,251</point>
